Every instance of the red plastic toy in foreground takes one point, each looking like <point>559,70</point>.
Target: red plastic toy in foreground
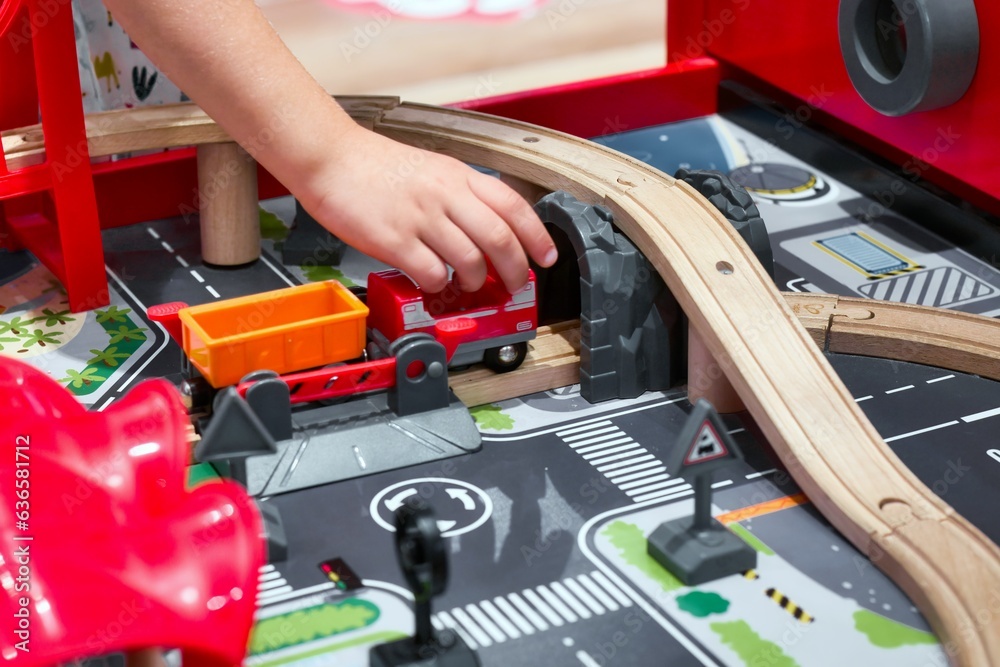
<point>102,548</point>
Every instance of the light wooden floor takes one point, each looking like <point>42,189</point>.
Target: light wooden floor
<point>439,62</point>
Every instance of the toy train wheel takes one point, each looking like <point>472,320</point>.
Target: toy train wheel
<point>198,394</point>
<point>505,358</point>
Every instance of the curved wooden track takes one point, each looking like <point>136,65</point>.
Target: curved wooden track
<point>947,566</point>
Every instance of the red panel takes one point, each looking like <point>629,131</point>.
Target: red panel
<point>685,20</point>
<point>152,187</point>
<point>614,104</point>
<point>794,47</point>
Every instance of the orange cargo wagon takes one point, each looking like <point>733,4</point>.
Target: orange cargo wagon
<point>284,331</point>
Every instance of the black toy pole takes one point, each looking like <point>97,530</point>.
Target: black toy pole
<point>702,502</point>
<point>424,631</point>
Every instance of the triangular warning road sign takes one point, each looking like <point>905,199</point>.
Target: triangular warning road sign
<point>706,446</point>
<point>704,442</point>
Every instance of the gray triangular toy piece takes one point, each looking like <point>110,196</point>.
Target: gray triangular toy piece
<point>234,431</point>
<point>703,444</point>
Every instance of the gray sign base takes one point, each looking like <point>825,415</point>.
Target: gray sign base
<point>697,557</point>
<point>361,437</point>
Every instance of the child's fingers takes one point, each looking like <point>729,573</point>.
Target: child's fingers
<point>518,215</point>
<point>493,235</point>
<point>455,247</point>
<point>424,266</point>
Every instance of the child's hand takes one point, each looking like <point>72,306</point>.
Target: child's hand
<point>419,211</point>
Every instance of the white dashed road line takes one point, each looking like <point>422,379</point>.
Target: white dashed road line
<point>919,432</point>
<point>981,415</point>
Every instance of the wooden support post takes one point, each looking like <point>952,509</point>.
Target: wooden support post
<point>707,378</point>
<point>227,186</point>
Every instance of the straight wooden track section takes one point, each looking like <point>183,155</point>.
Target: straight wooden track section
<point>947,566</point>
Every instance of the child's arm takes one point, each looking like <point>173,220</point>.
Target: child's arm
<point>227,58</point>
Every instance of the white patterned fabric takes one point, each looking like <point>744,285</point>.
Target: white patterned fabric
<point>114,73</point>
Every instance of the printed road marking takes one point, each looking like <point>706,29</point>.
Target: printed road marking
<point>585,658</point>
<point>485,623</point>
<point>585,427</point>
<point>519,620</point>
<point>981,415</point>
<point>584,596</point>
<point>761,509</point>
<point>580,436</point>
<point>274,597</point>
<point>267,568</point>
<point>755,475</point>
<point>273,594</point>
<point>269,585</point>
<point>477,633</point>
<point>211,290</point>
<point>508,628</point>
<point>197,276</point>
<point>616,457</point>
<point>268,576</point>
<point>669,494</point>
<point>923,430</point>
<point>105,404</point>
<point>449,622</point>
<point>653,487</point>
<point>940,379</point>
<point>863,398</point>
<point>166,246</point>
<point>571,601</point>
<point>585,445</point>
<point>270,265</point>
<point>598,592</point>
<point>616,592</point>
<point>719,485</point>
<point>547,612</point>
<point>896,391</point>
<point>181,261</point>
<point>641,466</point>
<point>643,482</point>
<point>608,452</point>
<point>556,604</point>
<point>528,612</point>
<point>604,445</point>
<point>152,232</point>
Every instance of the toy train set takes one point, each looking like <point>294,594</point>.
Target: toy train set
<point>313,385</point>
<point>310,326</point>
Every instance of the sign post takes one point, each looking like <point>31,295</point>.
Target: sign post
<point>699,549</point>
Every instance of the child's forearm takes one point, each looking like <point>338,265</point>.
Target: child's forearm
<point>227,58</point>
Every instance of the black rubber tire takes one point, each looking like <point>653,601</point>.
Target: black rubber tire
<point>493,361</point>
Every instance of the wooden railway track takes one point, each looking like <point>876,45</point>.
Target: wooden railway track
<point>946,565</point>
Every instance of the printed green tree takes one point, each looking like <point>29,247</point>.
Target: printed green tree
<point>53,318</point>
<point>109,357</point>
<point>16,326</point>
<point>113,314</point>
<point>80,380</point>
<point>41,338</point>
<point>127,334</point>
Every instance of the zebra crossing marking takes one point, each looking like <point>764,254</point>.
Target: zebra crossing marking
<point>536,609</point>
<point>528,612</point>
